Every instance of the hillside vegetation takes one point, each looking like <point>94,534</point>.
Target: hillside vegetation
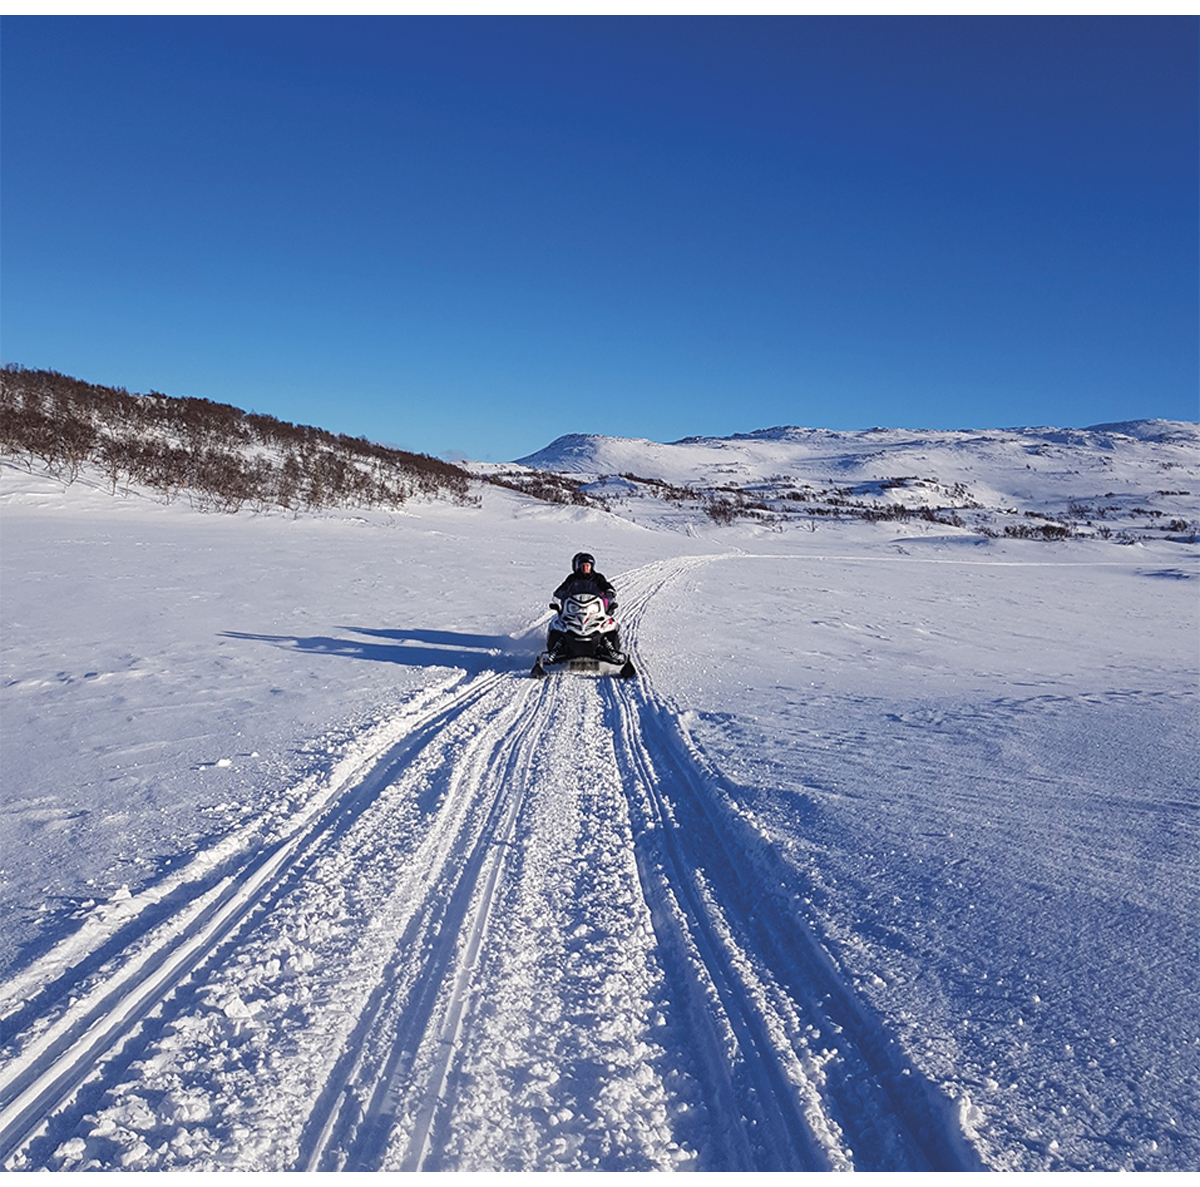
<point>216,455</point>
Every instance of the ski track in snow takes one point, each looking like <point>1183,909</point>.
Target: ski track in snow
<point>523,927</point>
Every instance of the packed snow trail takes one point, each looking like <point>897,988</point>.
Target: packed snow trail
<point>89,1011</point>
<point>529,931</point>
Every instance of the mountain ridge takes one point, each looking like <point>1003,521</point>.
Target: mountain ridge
<point>1142,429</point>
<point>1121,478</point>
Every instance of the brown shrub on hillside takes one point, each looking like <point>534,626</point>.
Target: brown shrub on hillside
<point>221,457</point>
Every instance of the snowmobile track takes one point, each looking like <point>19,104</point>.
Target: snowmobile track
<point>53,1065</point>
<point>793,1071</point>
<point>757,1088</point>
<point>776,982</point>
<point>345,1133</point>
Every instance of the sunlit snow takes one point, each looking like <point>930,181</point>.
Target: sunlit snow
<point>886,861</point>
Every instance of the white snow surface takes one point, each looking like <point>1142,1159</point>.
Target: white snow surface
<point>887,860</point>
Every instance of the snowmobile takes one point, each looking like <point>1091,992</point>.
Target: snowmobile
<point>581,638</point>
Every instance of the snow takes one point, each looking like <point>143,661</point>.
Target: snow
<point>1108,475</point>
<point>886,861</point>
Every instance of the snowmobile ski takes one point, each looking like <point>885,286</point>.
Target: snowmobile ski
<point>618,665</point>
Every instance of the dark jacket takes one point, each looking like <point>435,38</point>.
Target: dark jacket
<point>593,583</point>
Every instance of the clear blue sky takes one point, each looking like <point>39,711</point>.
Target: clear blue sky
<point>476,234</point>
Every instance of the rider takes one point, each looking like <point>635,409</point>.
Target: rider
<point>584,579</point>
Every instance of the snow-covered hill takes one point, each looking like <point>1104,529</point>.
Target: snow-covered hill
<point>1135,478</point>
<point>887,861</point>
<point>877,453</point>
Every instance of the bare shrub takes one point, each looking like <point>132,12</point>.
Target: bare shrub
<point>219,454</point>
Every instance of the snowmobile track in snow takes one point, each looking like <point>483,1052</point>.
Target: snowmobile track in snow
<point>343,1134</point>
<point>792,1070</point>
<point>767,969</point>
<point>730,899</point>
<point>793,1116</point>
<point>51,1067</point>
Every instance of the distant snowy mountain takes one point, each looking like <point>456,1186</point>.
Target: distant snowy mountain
<point>692,459</point>
<point>1133,477</point>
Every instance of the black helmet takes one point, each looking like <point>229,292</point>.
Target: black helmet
<point>580,559</point>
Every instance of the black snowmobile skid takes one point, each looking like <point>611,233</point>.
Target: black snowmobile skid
<point>623,668</point>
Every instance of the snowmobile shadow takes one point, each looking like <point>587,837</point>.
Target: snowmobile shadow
<point>413,648</point>
<point>491,643</point>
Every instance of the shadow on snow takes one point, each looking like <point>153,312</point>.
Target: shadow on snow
<point>412,648</point>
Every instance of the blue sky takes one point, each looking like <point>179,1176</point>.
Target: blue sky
<point>476,234</point>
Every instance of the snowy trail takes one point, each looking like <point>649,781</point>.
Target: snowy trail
<point>818,1081</point>
<point>461,879</point>
<point>103,1007</point>
<point>528,930</point>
